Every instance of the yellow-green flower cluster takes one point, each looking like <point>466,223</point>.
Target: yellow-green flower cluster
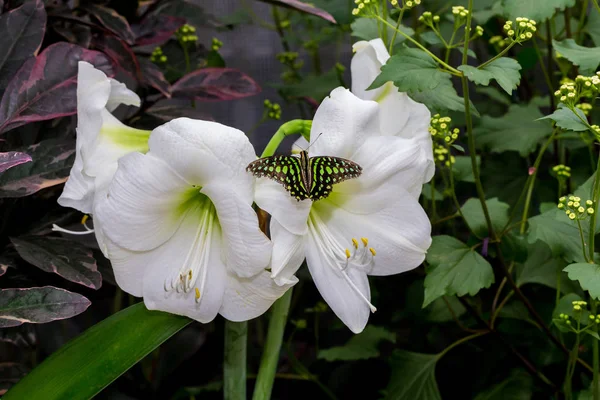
<point>365,7</point>
<point>440,129</point>
<point>571,92</point>
<point>157,56</point>
<point>442,155</point>
<point>562,170</point>
<point>429,19</point>
<point>478,32</point>
<point>575,208</point>
<point>578,305</point>
<point>595,318</point>
<point>186,34</point>
<point>460,12</point>
<point>585,108</point>
<point>299,323</point>
<point>565,318</point>
<point>406,4</point>
<point>596,130</point>
<point>216,44</point>
<point>272,110</point>
<point>520,30</point>
<point>290,58</point>
<point>499,41</point>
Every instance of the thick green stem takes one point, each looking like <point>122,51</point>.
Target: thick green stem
<point>595,199</point>
<point>234,364</point>
<point>270,355</point>
<point>471,138</point>
<point>391,46</point>
<point>295,126</point>
<point>596,5</point>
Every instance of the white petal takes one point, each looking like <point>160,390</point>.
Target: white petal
<point>167,260</point>
<point>289,212</point>
<point>392,220</point>
<point>119,94</point>
<point>345,302</point>
<point>78,192</point>
<point>342,123</point>
<point>288,253</point>
<point>141,210</point>
<point>128,266</point>
<point>205,151</point>
<point>247,249</point>
<point>93,92</point>
<point>247,298</point>
<point>366,66</point>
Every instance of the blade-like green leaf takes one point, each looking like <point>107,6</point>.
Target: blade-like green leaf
<point>538,10</point>
<point>88,363</point>
<point>504,70</point>
<point>567,119</point>
<point>587,58</point>
<point>588,276</point>
<point>413,376</point>
<point>519,386</point>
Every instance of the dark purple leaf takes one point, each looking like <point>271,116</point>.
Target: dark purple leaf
<point>156,29</point>
<point>168,109</point>
<point>52,161</point>
<point>112,21</point>
<point>80,35</point>
<point>39,305</point>
<point>21,34</point>
<point>215,84</point>
<point>153,76</point>
<point>46,86</point>
<point>304,7</point>
<point>64,257</point>
<point>12,159</point>
<point>120,54</point>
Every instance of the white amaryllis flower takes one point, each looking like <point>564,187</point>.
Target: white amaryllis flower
<point>180,228</point>
<point>371,225</point>
<point>101,140</point>
<point>399,114</point>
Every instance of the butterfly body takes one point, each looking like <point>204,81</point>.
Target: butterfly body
<point>306,177</point>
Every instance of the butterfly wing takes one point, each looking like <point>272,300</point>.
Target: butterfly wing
<point>327,171</point>
<point>282,169</point>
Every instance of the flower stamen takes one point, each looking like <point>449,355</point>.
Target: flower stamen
<point>88,230</point>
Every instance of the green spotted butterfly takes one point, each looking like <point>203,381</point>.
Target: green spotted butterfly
<point>303,177</point>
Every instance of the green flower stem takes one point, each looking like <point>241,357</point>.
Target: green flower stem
<point>391,46</point>
<point>595,199</point>
<point>454,197</point>
<point>543,66</point>
<point>596,5</point>
<point>270,355</point>
<point>461,341</point>
<point>471,138</point>
<point>234,364</point>
<point>596,357</point>
<point>293,127</point>
<point>384,13</point>
<point>419,45</point>
<point>580,228</point>
<point>491,60</point>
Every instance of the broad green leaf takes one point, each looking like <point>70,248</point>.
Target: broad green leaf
<point>537,10</point>
<point>473,213</point>
<point>588,276</point>
<point>438,310</point>
<point>517,130</point>
<point>87,364</point>
<point>542,268</point>
<point>587,58</point>
<point>427,194</point>
<point>560,233</point>
<point>483,16</point>
<point>519,386</point>
<point>454,269</point>
<point>504,70</point>
<point>411,70</point>
<point>565,306</point>
<point>514,247</point>
<point>39,305</point>
<point>366,29</point>
<point>359,347</point>
<point>462,168</point>
<point>567,119</point>
<point>413,377</point>
<point>494,94</point>
<point>442,98</point>
<point>315,86</point>
<point>71,260</point>
<point>593,27</point>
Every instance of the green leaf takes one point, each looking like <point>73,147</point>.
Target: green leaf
<point>359,347</point>
<point>517,130</point>
<point>462,168</point>
<point>494,94</point>
<point>411,70</point>
<point>438,310</point>
<point>443,97</point>
<point>593,27</point>
<point>87,364</point>
<point>565,306</point>
<point>587,58</point>
<point>538,10</point>
<point>588,276</point>
<point>366,29</point>
<point>426,193</point>
<point>559,233</point>
<point>315,86</point>
<point>483,16</point>
<point>519,386</point>
<point>504,70</point>
<point>454,269</point>
<point>542,268</point>
<point>473,213</point>
<point>567,119</point>
<point>413,376</point>
<point>39,305</point>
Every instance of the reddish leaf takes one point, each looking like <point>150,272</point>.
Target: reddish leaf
<point>12,159</point>
<point>39,305</point>
<point>168,109</point>
<point>21,34</point>
<point>80,35</point>
<point>304,7</point>
<point>52,161</point>
<point>120,54</point>
<point>64,257</point>
<point>215,84</point>
<point>153,76</point>
<point>112,21</point>
<point>45,87</point>
<point>156,29</point>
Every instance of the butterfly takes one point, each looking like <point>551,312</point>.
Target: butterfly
<point>306,177</point>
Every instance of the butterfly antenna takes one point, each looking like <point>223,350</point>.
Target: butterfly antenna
<point>310,144</point>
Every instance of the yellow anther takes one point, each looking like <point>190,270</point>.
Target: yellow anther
<point>372,250</point>
<point>84,219</point>
<point>197,294</point>
<point>190,275</point>
<point>348,253</point>
<point>365,241</point>
<point>355,243</point>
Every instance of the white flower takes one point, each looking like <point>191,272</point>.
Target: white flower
<point>399,114</point>
<point>375,219</point>
<point>101,140</point>
<point>180,228</point>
